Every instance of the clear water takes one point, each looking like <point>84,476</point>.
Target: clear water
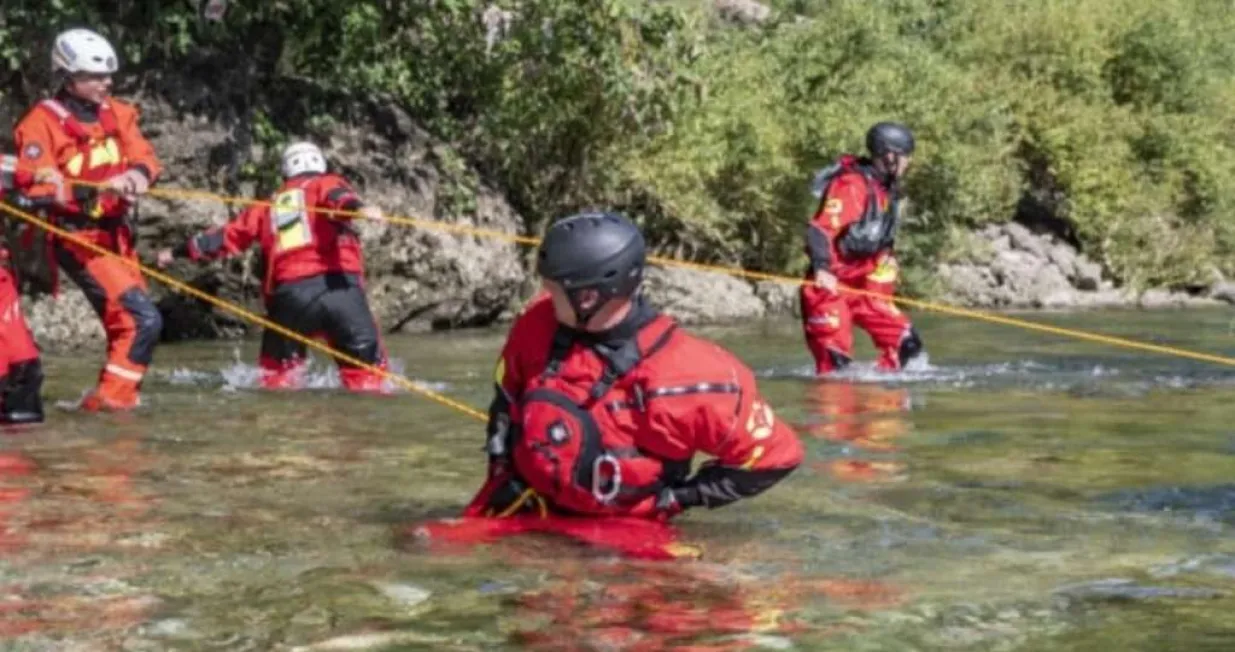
<point>1018,492</point>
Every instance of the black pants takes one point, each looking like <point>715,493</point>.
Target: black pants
<point>20,387</point>
<point>333,305</point>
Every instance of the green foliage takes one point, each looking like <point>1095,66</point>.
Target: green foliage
<point>1111,115</point>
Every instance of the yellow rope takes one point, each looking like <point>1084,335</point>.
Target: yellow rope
<point>246,314</point>
<point>176,193</point>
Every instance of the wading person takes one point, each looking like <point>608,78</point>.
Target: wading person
<point>850,241</point>
<point>314,270</point>
<point>82,134</point>
<point>602,401</point>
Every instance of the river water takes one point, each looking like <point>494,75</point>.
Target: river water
<point>1019,491</point>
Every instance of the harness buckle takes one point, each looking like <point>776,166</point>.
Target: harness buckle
<point>606,497</point>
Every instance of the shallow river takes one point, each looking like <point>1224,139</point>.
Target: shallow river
<point>1018,492</point>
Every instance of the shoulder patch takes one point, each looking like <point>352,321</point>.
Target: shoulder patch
<point>32,151</point>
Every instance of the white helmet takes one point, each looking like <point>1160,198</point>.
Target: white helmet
<point>81,50</point>
<point>302,157</point>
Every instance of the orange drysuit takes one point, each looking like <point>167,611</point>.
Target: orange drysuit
<point>93,143</point>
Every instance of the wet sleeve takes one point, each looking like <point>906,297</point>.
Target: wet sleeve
<point>507,387</point>
<point>753,449</point>
<point>341,196</point>
<point>227,240</point>
<point>819,245</point>
<point>137,150</point>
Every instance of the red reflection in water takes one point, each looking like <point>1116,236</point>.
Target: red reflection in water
<point>15,468</point>
<point>680,606</point>
<point>643,601</point>
<point>87,506</point>
<point>865,416</point>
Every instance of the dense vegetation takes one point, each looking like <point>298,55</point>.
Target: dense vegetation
<point>1110,118</point>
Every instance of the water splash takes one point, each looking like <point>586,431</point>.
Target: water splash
<point>1066,375</point>
<point>242,375</point>
<point>919,370</point>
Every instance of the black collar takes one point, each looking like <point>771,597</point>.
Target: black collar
<point>641,314</point>
<point>83,110</point>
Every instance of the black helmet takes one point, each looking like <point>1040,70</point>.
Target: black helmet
<point>889,137</point>
<point>600,251</point>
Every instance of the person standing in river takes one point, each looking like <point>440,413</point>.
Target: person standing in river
<point>601,401</point>
<point>850,242</point>
<point>82,134</point>
<point>21,366</point>
<point>314,270</point>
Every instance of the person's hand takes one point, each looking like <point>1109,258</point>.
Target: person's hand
<point>672,501</point>
<point>826,280</point>
<point>164,258</point>
<point>129,185</point>
<point>64,193</point>
<point>372,213</point>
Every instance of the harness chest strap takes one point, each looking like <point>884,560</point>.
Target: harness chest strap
<point>595,458</point>
<point>74,128</point>
<point>872,213</point>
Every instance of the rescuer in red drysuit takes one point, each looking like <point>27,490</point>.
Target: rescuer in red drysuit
<point>314,270</point>
<point>849,241</point>
<point>602,401</point>
<point>21,368</point>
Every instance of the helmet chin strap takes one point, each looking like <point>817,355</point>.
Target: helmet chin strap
<point>584,315</point>
<point>890,178</point>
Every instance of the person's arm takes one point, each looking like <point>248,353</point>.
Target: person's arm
<point>753,450</point>
<point>843,204</point>
<point>226,240</point>
<point>510,377</point>
<point>37,180</point>
<point>138,152</point>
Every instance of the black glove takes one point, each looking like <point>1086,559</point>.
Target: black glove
<point>497,442</point>
<point>499,430</point>
<point>674,500</point>
<point>716,486</point>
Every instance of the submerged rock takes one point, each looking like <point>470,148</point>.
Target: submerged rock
<point>407,595</point>
<point>371,641</point>
<point>1126,589</point>
<point>1215,502</point>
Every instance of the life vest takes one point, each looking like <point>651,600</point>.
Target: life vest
<point>96,158</point>
<point>876,229</point>
<point>570,445</point>
<point>303,241</point>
